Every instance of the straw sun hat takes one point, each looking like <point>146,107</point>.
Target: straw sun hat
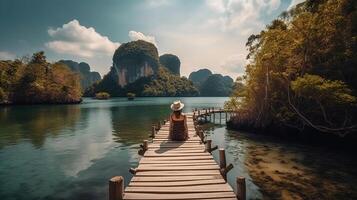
<point>177,105</point>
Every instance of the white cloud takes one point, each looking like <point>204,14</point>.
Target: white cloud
<point>4,55</point>
<point>74,39</point>
<point>134,35</point>
<point>241,16</point>
<point>294,3</point>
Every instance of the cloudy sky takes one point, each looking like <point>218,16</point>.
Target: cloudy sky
<point>202,33</point>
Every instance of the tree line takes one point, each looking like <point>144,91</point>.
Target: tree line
<point>302,71</point>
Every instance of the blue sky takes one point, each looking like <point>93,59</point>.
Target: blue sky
<point>202,33</point>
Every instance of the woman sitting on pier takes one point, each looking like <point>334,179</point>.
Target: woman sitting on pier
<point>178,122</point>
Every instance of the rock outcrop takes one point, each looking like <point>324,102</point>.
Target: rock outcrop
<point>87,77</point>
<point>200,76</point>
<point>134,60</point>
<point>171,62</point>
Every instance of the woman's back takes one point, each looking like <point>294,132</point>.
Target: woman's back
<point>178,127</point>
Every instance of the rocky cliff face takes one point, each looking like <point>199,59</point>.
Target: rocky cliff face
<point>134,60</point>
<point>129,74</point>
<point>87,77</point>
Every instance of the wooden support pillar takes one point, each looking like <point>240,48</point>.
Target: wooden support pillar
<point>220,117</point>
<point>222,163</point>
<point>208,146</point>
<point>222,158</point>
<point>116,188</point>
<point>153,131</point>
<point>159,124</point>
<point>226,116</point>
<point>241,189</point>
<point>145,145</point>
<point>214,118</point>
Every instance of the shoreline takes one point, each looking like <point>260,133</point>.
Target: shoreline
<point>41,103</point>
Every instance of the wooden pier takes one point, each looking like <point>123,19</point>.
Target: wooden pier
<point>178,170</point>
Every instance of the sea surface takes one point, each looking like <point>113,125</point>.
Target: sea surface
<point>71,151</point>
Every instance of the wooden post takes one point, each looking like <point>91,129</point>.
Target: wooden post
<point>241,189</point>
<point>222,158</point>
<point>208,146</point>
<point>116,188</point>
<point>226,116</point>
<point>145,145</point>
<point>220,117</point>
<point>200,134</point>
<point>159,124</point>
<point>153,131</point>
<point>214,118</point>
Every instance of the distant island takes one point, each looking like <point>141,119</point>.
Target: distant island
<point>87,77</point>
<point>37,81</point>
<point>137,69</point>
<point>210,84</point>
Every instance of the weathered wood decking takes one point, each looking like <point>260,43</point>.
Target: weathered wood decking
<point>175,170</point>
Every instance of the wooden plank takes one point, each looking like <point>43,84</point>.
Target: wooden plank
<point>173,164</point>
<point>150,196</point>
<point>181,150</point>
<point>176,183</point>
<point>174,178</point>
<point>178,173</point>
<point>152,154</point>
<point>176,168</point>
<point>182,189</point>
<point>149,161</point>
<point>174,145</point>
<point>180,158</point>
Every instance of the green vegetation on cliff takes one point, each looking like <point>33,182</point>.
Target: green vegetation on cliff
<point>303,71</point>
<point>211,84</point>
<point>171,62</point>
<point>135,53</point>
<point>132,56</point>
<point>199,76</point>
<point>216,85</point>
<point>162,84</point>
<point>38,81</point>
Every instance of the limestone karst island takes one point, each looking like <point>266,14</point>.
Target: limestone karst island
<point>178,100</point>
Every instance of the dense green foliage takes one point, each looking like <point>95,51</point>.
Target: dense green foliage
<point>135,53</point>
<point>211,84</point>
<point>83,69</point>
<point>38,81</point>
<point>199,76</point>
<point>163,83</point>
<point>302,70</point>
<point>166,84</point>
<point>171,62</point>
<point>102,95</point>
<point>216,85</point>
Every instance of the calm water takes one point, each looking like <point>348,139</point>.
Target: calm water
<point>70,151</point>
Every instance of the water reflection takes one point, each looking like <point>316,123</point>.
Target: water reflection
<point>70,151</point>
<point>35,123</point>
